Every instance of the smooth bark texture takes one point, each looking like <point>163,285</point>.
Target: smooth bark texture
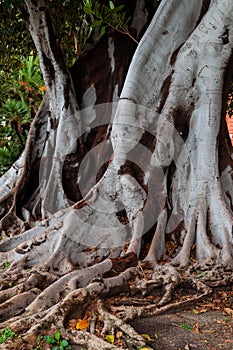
<point>127,160</point>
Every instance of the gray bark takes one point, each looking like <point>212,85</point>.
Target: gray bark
<point>168,171</point>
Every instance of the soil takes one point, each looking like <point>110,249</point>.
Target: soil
<point>208,326</point>
<point>186,330</point>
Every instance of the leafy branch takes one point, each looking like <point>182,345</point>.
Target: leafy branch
<point>108,16</point>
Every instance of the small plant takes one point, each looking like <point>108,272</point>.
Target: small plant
<point>57,342</point>
<point>108,16</point>
<point>187,327</point>
<point>5,265</point>
<point>7,333</point>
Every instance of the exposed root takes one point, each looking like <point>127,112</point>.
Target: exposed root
<point>90,294</point>
<point>111,323</point>
<point>169,278</point>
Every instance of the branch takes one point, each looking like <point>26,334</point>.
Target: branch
<point>52,60</point>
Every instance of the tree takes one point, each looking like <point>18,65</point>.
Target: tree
<point>126,179</point>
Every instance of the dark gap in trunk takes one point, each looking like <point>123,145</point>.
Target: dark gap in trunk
<point>208,221</point>
<point>164,92</point>
<point>175,235</point>
<point>174,55</point>
<point>133,169</point>
<point>181,117</point>
<point>205,7</point>
<point>228,195</point>
<point>170,173</point>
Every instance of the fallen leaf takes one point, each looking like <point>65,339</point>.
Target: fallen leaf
<point>208,331</point>
<point>228,311</point>
<point>217,301</point>
<point>82,324</point>
<point>118,335</point>
<point>110,338</point>
<point>195,328</point>
<point>147,337</point>
<point>208,305</point>
<point>199,311</point>
<point>72,324</point>
<point>221,321</point>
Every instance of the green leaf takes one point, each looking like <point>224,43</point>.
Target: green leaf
<point>57,336</point>
<point>185,326</point>
<point>49,339</point>
<point>7,333</point>
<point>103,30</point>
<point>96,24</point>
<point>87,10</point>
<point>111,5</point>
<point>64,343</point>
<point>119,8</point>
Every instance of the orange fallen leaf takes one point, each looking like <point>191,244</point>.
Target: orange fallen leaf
<point>82,324</point>
<point>195,328</point>
<point>118,335</point>
<point>208,305</point>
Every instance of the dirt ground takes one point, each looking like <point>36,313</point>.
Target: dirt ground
<point>207,325</point>
<point>186,330</point>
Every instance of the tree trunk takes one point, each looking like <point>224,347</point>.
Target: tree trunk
<point>119,169</point>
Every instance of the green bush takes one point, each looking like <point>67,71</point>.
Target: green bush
<point>21,94</point>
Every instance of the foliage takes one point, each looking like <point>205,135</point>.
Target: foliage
<point>108,16</point>
<point>72,27</point>
<point>7,333</point>
<point>186,327</point>
<point>15,40</point>
<point>57,342</point>
<point>21,93</point>
<point>71,24</point>
<point>5,265</point>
